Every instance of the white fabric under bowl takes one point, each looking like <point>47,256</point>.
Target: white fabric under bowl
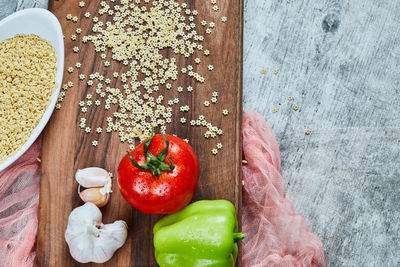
<point>44,24</point>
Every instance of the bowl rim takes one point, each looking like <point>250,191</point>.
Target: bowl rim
<point>59,41</point>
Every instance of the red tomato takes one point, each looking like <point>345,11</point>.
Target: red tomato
<point>154,191</point>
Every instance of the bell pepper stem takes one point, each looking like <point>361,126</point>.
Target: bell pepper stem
<point>238,236</point>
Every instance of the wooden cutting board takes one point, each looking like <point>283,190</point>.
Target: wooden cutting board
<point>66,147</point>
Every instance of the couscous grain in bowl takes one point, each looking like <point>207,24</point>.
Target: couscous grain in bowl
<point>28,69</point>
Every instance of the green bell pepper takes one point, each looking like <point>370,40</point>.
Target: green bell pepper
<point>202,234</point>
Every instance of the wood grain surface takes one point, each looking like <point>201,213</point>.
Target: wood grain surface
<point>67,148</point>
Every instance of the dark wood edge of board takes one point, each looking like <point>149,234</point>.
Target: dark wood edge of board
<point>239,125</point>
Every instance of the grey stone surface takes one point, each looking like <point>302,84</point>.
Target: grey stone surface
<point>340,60</point>
<point>9,6</point>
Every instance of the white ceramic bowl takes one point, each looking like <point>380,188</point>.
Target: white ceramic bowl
<point>45,25</point>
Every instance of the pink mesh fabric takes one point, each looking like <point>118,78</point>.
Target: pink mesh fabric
<point>19,200</point>
<point>276,234</point>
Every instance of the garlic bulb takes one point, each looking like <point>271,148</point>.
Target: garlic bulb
<point>93,177</point>
<point>95,195</point>
<point>90,240</point>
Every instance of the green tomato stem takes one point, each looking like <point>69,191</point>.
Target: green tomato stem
<point>155,164</point>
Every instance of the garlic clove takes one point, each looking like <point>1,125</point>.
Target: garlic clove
<point>88,239</point>
<point>95,195</point>
<point>92,177</point>
<point>107,187</point>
